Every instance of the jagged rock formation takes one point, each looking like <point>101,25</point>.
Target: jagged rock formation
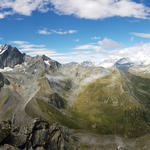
<point>10,56</point>
<point>39,135</point>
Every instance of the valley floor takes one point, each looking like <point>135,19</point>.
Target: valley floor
<point>90,141</point>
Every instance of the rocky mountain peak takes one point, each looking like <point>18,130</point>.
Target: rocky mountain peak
<point>5,47</point>
<point>124,64</point>
<point>86,63</point>
<point>10,56</point>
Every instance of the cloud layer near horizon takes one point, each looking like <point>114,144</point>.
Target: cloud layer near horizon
<point>139,54</point>
<point>89,9</point>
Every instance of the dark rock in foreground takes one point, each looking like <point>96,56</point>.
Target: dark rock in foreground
<point>39,135</point>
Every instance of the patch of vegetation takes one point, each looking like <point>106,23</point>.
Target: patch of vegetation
<point>109,106</point>
<point>68,85</point>
<point>57,101</point>
<point>51,114</point>
<point>7,114</point>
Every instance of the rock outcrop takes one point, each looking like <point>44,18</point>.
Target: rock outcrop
<point>5,129</point>
<point>3,81</point>
<point>38,135</point>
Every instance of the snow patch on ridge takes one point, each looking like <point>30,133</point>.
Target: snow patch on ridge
<point>6,69</point>
<point>47,62</point>
<point>3,49</point>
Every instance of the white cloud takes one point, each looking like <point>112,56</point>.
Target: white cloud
<point>132,39</point>
<point>61,32</point>
<point>101,45</point>
<point>5,13</point>
<point>96,38</point>
<point>32,49</point>
<point>139,54</point>
<point>109,44</point>
<point>76,40</point>
<point>23,7</point>
<point>99,9</point>
<point>89,9</point>
<point>142,35</point>
<point>89,47</point>
<point>19,42</point>
<point>44,32</point>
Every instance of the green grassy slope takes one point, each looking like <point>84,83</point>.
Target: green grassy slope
<point>113,105</point>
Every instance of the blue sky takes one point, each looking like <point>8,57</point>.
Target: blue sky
<point>68,30</point>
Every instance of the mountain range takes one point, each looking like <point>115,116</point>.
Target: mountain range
<point>109,105</point>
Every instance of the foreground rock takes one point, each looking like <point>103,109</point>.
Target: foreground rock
<point>5,130</point>
<point>38,135</point>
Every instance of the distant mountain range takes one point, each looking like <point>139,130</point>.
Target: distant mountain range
<point>11,56</point>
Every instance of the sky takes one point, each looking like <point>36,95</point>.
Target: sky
<point>78,30</point>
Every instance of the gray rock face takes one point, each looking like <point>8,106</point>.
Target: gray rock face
<point>10,56</point>
<point>38,64</point>
<point>38,135</point>
<point>3,81</point>
<point>5,128</point>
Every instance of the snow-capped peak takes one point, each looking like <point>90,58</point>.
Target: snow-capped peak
<point>87,63</point>
<point>123,61</point>
<point>4,48</point>
<point>124,64</point>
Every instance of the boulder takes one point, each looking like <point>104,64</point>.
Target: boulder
<point>38,135</point>
<point>5,131</point>
<point>9,147</point>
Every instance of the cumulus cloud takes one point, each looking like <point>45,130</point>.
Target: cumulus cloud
<point>101,45</point>
<point>99,9</point>
<point>142,35</point>
<point>89,47</point>
<point>23,7</point>
<point>109,44</point>
<point>89,9</point>
<point>100,55</point>
<point>139,54</point>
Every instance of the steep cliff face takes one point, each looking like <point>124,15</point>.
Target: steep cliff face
<point>10,56</point>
